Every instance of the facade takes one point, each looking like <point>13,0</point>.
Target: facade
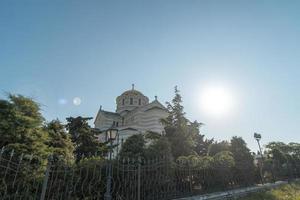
<point>134,115</point>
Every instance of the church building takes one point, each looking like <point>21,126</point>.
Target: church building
<point>134,115</point>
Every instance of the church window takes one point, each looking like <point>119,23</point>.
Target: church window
<point>123,102</point>
<point>131,101</point>
<point>139,101</point>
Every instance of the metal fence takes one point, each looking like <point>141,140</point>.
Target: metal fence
<point>30,177</point>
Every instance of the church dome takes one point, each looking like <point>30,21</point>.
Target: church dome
<point>130,100</point>
<point>131,92</point>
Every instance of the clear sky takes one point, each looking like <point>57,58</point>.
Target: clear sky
<point>56,50</point>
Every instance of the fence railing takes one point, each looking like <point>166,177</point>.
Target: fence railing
<point>30,177</point>
<point>18,176</point>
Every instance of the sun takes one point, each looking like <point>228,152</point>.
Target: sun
<point>217,101</point>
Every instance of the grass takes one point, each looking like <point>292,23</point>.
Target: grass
<point>285,192</point>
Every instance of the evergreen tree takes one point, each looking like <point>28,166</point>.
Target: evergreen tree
<point>60,141</point>
<point>84,138</point>
<point>177,128</point>
<point>159,148</point>
<point>133,147</point>
<point>201,144</point>
<point>176,116</point>
<point>21,126</point>
<point>244,169</point>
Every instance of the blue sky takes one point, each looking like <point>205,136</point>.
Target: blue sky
<point>52,50</point>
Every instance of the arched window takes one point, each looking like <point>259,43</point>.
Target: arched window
<point>140,101</point>
<point>123,102</point>
<point>131,101</point>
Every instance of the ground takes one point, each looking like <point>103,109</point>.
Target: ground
<point>286,192</point>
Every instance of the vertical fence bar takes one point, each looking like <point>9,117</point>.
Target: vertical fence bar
<point>139,179</point>
<point>8,164</point>
<point>46,178</point>
<point>190,177</point>
<point>107,195</point>
<point>17,171</point>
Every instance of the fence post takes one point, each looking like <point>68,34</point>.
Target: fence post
<point>139,179</point>
<point>190,177</point>
<point>45,181</point>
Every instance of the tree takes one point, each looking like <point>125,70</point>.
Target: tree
<point>152,136</point>
<point>178,129</point>
<point>21,126</point>
<point>159,148</point>
<point>285,158</point>
<point>223,164</point>
<point>176,116</point>
<point>201,144</point>
<point>133,147</point>
<point>217,147</point>
<point>295,156</point>
<point>244,169</point>
<point>183,135</point>
<point>60,141</point>
<point>84,138</point>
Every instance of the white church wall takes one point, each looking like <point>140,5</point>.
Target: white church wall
<point>136,118</point>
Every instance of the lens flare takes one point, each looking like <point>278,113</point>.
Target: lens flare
<point>62,101</point>
<point>216,101</point>
<point>76,101</point>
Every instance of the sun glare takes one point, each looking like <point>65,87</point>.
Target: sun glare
<point>216,101</point>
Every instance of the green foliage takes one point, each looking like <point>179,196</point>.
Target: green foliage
<point>136,146</point>
<point>223,162</point>
<point>60,141</point>
<point>183,135</point>
<point>202,145</point>
<point>150,135</point>
<point>225,165</point>
<point>176,116</point>
<point>84,138</point>
<point>213,173</point>
<point>286,192</point>
<point>24,138</point>
<point>283,159</point>
<point>21,126</point>
<point>217,147</point>
<point>244,169</point>
<point>133,147</point>
<point>176,128</point>
<point>196,162</point>
<point>159,148</point>
<point>181,142</point>
<point>91,162</point>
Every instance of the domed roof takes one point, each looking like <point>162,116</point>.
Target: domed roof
<point>131,92</point>
<point>130,100</point>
